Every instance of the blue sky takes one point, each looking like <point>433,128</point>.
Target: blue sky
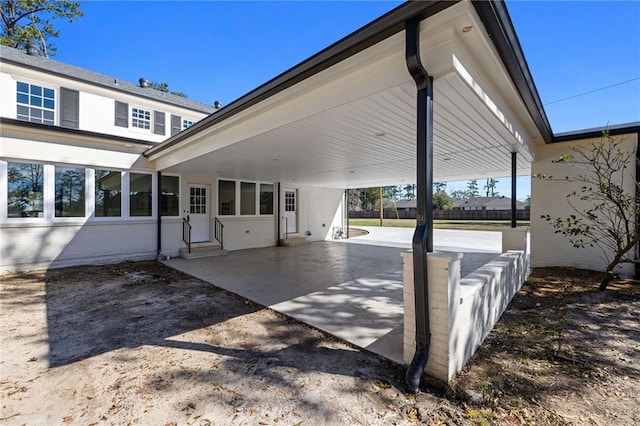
<point>213,50</point>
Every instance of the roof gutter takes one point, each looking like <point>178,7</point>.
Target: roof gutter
<point>382,28</point>
<point>495,18</point>
<point>75,132</point>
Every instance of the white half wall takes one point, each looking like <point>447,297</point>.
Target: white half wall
<point>28,246</point>
<point>462,312</point>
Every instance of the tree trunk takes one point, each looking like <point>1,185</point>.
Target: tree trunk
<point>608,276</point>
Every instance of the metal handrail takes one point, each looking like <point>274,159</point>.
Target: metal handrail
<point>186,232</point>
<point>218,232</point>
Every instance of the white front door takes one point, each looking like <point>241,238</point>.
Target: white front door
<point>290,211</point>
<point>199,213</point>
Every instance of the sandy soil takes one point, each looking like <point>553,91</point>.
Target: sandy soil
<point>139,343</point>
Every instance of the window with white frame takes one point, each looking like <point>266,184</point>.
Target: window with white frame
<point>25,190</point>
<point>266,198</point>
<point>187,123</point>
<point>108,193</point>
<point>69,192</point>
<point>226,198</point>
<point>35,103</point>
<point>246,198</point>
<point>140,118</point>
<point>140,194</point>
<point>170,196</point>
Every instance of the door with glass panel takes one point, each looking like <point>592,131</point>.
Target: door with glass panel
<point>198,213</point>
<point>290,211</point>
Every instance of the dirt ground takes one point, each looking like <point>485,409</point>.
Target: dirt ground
<point>139,343</point>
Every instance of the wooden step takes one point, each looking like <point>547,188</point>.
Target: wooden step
<point>207,249</point>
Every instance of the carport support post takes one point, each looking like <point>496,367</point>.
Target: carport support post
<point>514,161</point>
<point>423,235</point>
<point>159,213</point>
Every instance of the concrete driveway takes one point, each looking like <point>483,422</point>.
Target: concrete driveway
<point>349,288</point>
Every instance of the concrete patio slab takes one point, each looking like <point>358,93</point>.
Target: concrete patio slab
<point>349,288</point>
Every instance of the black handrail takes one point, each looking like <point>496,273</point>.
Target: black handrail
<point>186,232</point>
<point>218,233</point>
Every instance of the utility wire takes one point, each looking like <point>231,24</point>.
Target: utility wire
<point>593,91</point>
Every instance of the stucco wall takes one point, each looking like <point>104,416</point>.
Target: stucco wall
<point>550,197</point>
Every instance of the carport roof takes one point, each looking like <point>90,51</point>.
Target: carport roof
<point>361,131</point>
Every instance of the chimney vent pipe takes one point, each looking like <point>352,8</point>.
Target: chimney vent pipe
<point>32,50</point>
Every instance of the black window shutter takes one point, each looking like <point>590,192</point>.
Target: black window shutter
<point>122,114</point>
<point>176,124</point>
<point>158,122</point>
<point>70,108</point>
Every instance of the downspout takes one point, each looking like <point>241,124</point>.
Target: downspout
<point>423,235</point>
<point>514,160</point>
<point>278,212</point>
<point>158,195</point>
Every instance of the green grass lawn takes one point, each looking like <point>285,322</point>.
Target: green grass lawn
<point>468,225</point>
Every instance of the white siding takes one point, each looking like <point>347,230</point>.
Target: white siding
<point>97,104</point>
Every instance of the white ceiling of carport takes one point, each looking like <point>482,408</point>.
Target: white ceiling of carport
<point>370,141</point>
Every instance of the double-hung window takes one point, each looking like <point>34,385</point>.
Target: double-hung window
<point>35,103</point>
<point>187,123</point>
<point>140,118</point>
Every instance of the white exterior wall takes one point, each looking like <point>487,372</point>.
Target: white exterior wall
<point>550,197</point>
<point>97,104</point>
<point>27,246</point>
<point>319,211</point>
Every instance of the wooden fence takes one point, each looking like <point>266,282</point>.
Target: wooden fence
<point>444,214</point>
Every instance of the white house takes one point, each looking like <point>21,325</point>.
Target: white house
<point>87,159</point>
<point>98,170</point>
<point>486,203</point>
<point>76,187</point>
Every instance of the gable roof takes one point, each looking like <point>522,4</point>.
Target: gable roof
<point>14,56</point>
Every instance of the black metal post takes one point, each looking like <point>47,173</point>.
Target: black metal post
<point>279,224</point>
<point>637,257</point>
<point>159,213</point>
<point>423,235</point>
<point>514,163</point>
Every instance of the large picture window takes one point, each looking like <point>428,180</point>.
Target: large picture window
<point>170,196</point>
<point>226,197</point>
<point>266,198</point>
<point>108,193</point>
<point>70,192</point>
<point>25,183</point>
<point>35,103</point>
<point>140,194</point>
